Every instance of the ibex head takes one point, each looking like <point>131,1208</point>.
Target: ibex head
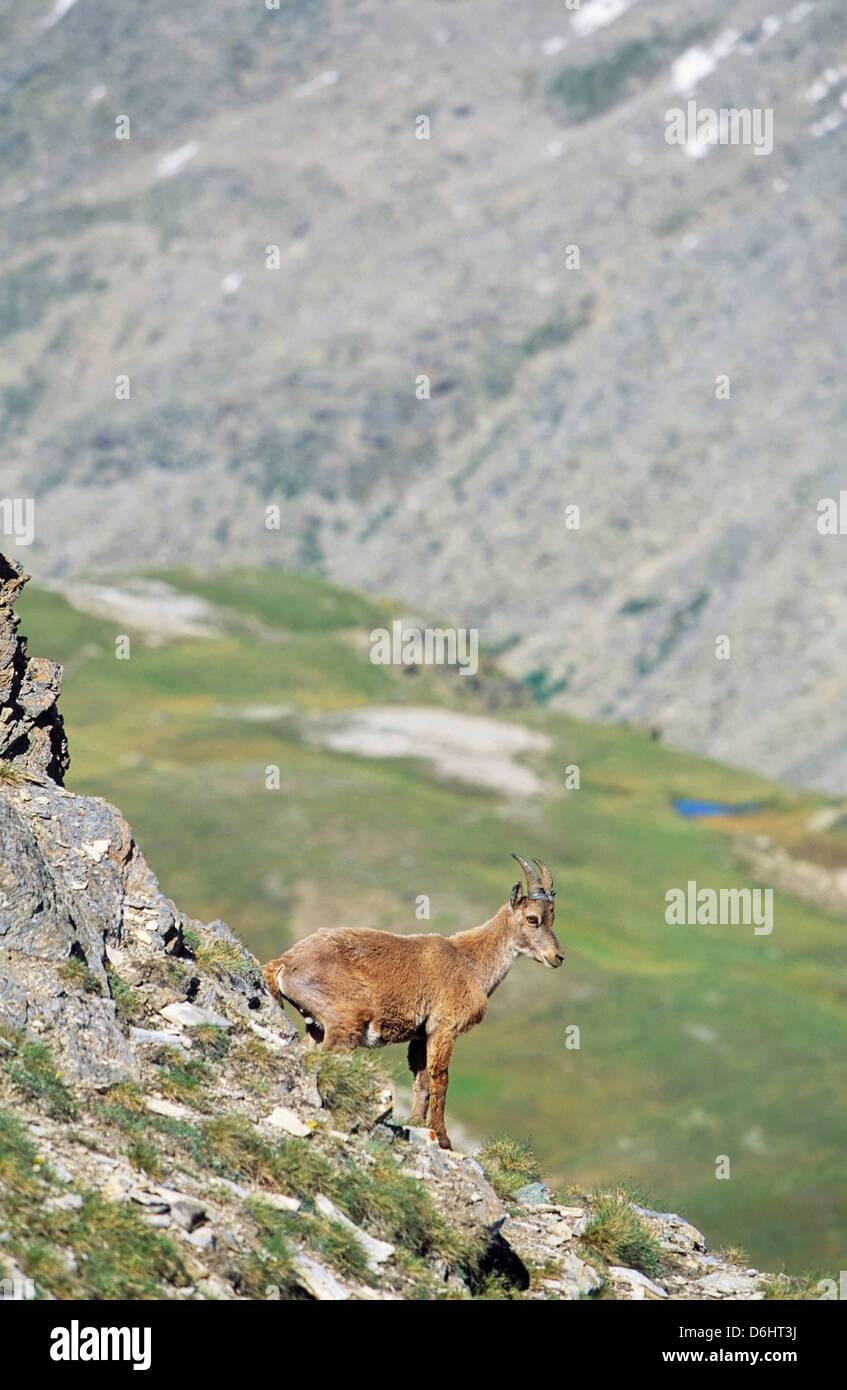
<point>532,915</point>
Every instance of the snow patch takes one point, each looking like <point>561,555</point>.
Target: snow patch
<point>597,15</point>
<point>60,9</point>
<point>176,161</point>
<point>316,84</point>
<point>698,62</point>
<point>147,606</point>
<point>463,747</point>
<point>823,85</point>
<point>827,124</point>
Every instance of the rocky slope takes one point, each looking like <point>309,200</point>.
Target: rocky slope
<point>549,386</point>
<point>163,1134</point>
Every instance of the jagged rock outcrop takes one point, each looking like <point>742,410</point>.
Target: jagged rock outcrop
<point>32,735</point>
<point>163,1133</point>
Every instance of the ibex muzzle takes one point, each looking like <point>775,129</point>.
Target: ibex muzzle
<point>361,988</point>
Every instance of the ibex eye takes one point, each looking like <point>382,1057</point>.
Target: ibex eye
<point>533,921</point>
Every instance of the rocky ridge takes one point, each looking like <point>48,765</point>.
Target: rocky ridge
<point>164,1134</point>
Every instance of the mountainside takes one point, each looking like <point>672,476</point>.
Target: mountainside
<point>164,1135</point>
<point>260,755</point>
<point>253,129</point>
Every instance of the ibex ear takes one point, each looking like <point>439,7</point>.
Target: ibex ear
<point>515,894</point>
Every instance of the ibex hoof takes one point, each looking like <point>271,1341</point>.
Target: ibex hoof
<point>444,1142</point>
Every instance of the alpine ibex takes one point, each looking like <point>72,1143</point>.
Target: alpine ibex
<point>361,988</point>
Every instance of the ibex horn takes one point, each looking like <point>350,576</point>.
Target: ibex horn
<point>532,879</point>
<point>546,876</point>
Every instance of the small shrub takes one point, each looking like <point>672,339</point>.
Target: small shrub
<point>227,958</point>
<point>262,1064</point>
<point>33,1072</point>
<point>213,1040</point>
<point>142,1154</point>
<point>127,1001</point>
<point>17,1154</point>
<point>270,1272</point>
<point>791,1287</point>
<point>126,1259</point>
<point>339,1247</point>
<point>234,1149</point>
<point>190,942</point>
<point>399,1208</point>
<point>78,975</point>
<point>349,1086</point>
<point>619,1236</point>
<point>508,1163</point>
<point>181,1077</point>
<point>129,1095</point>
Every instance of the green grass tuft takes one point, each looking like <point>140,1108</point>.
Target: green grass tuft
<point>127,1000</point>
<point>349,1086</point>
<point>508,1163</point>
<point>33,1072</point>
<point>143,1154</point>
<point>17,1154</point>
<point>214,1041</point>
<point>619,1236</point>
<point>79,976</point>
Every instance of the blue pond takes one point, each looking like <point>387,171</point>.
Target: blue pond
<point>691,809</point>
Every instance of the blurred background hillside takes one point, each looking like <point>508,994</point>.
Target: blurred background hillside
<point>399,257</point>
<point>256,130</point>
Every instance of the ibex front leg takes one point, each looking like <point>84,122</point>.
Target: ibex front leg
<point>439,1050</point>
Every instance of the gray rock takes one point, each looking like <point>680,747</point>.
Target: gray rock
<point>218,1290</point>
<point>320,1282</point>
<point>71,1201</point>
<point>189,1016</point>
<point>158,1037</point>
<point>203,1238</point>
<point>576,1278</point>
<point>276,1199</point>
<point>533,1194</point>
<point>168,1108</point>
<point>420,1135</point>
<point>150,1200</point>
<point>288,1121</point>
<point>188,1213</point>
<point>728,1283</point>
<point>641,1286</point>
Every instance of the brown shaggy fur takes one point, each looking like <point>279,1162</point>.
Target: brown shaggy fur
<point>362,988</point>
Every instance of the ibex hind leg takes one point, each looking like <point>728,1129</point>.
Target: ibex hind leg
<point>341,1036</point>
<point>420,1075</point>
